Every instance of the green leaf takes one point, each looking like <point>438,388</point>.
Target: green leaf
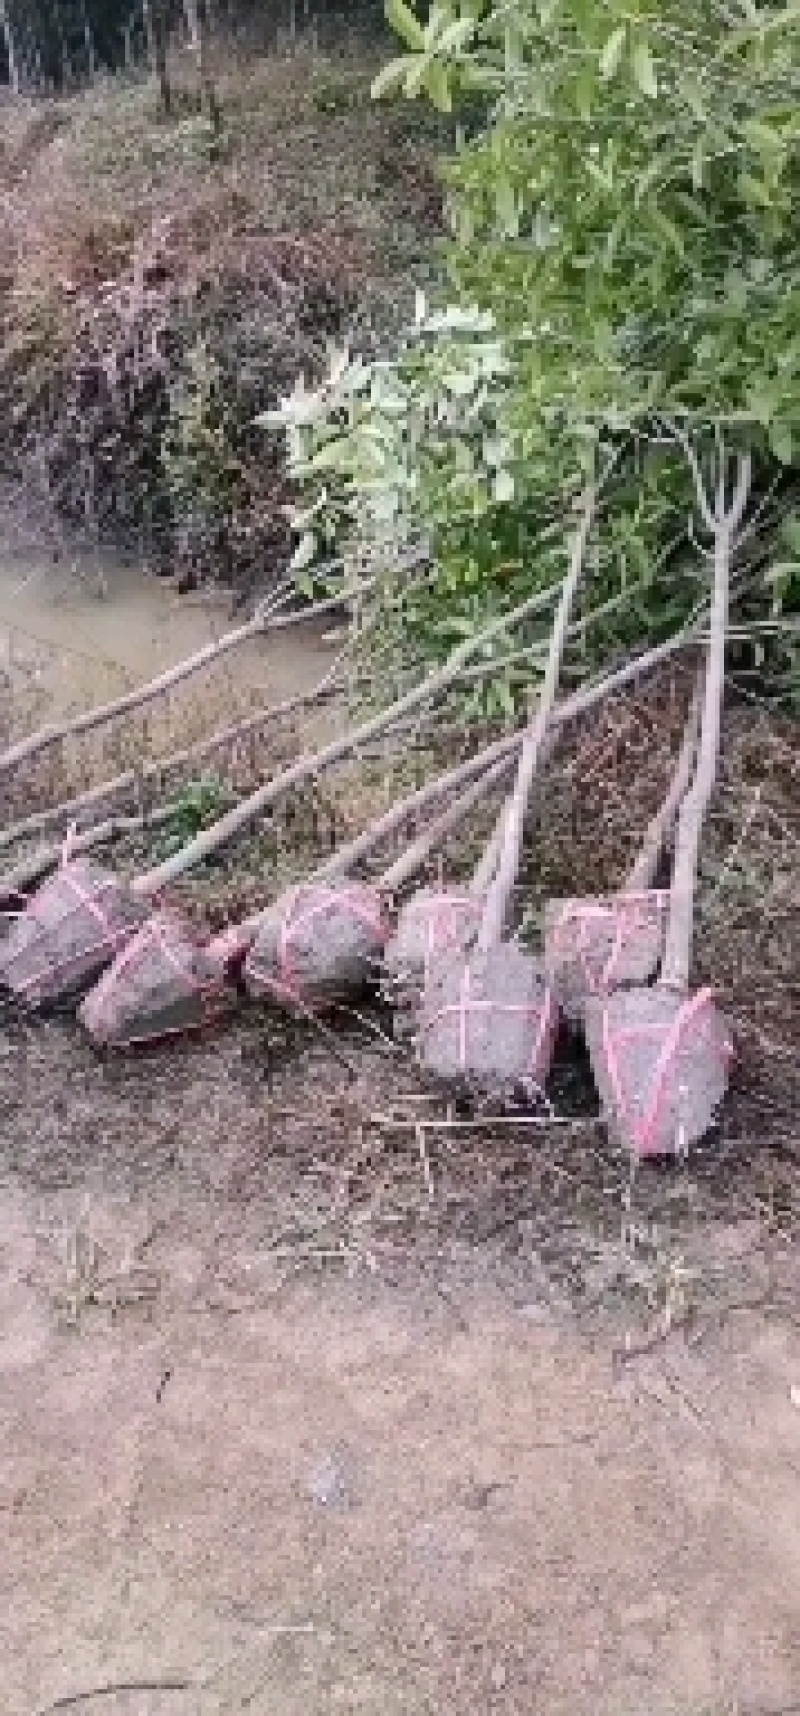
<point>644,70</point>
<point>585,86</point>
<point>755,192</point>
<point>503,487</point>
<point>304,583</point>
<point>781,442</point>
<point>416,75</point>
<point>507,212</point>
<point>455,36</point>
<point>405,24</point>
<point>390,79</point>
<point>670,233</point>
<point>698,164</point>
<point>437,86</point>
<point>304,552</point>
<point>612,53</point>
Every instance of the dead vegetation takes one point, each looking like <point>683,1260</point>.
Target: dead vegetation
<point>163,286</point>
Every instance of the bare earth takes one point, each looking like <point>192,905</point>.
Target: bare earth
<point>232,1484</point>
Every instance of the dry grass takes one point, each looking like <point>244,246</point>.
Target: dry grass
<point>159,289</point>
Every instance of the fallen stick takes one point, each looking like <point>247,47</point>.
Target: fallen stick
<point>592,946</point>
<point>660,1056</point>
<point>488,1022</point>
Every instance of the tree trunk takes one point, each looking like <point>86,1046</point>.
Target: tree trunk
<point>8,36</point>
<point>643,871</point>
<point>155,30</point>
<point>197,23</point>
<point>501,888</point>
<point>725,523</point>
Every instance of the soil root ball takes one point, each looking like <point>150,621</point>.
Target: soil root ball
<point>488,1026</point>
<point>435,921</point>
<point>594,946</point>
<point>660,1062</point>
<point>318,945</point>
<point>73,926</point>
<point>165,982</point>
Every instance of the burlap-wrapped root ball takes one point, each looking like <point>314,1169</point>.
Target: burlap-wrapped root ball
<point>70,930</point>
<point>164,983</point>
<point>488,1024</point>
<point>318,945</point>
<point>435,921</point>
<point>594,946</point>
<point>660,1062</point>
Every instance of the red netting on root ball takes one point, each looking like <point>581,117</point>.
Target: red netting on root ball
<point>489,1024</point>
<point>319,945</point>
<point>164,983</point>
<point>435,921</point>
<point>660,1063</point>
<point>594,946</point>
<point>71,928</point>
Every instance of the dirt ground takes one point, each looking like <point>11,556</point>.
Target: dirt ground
<point>299,1414</point>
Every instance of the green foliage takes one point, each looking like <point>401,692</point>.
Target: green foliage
<point>623,271</point>
<point>202,801</point>
<point>204,477</point>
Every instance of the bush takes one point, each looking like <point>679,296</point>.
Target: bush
<point>623,274</point>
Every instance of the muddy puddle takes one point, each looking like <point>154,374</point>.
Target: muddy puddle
<point>78,625</point>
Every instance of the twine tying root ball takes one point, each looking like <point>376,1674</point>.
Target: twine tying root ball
<point>318,945</point>
<point>592,946</point>
<point>488,1025</point>
<point>72,928</point>
<point>660,1062</point>
<point>165,982</point>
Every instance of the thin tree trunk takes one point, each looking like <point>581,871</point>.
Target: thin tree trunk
<point>11,49</point>
<point>197,23</point>
<point>724,522</point>
<point>500,751</point>
<point>415,855</point>
<point>266,620</point>
<point>502,885</point>
<point>240,818</point>
<point>157,772</point>
<point>155,31</point>
<point>642,872</point>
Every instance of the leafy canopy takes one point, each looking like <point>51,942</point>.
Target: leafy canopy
<point>623,266</point>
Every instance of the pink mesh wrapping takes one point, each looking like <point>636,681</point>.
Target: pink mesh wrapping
<point>70,929</point>
<point>162,984</point>
<point>319,944</point>
<point>489,1022</point>
<point>661,1063</point>
<point>593,946</point>
<point>433,922</point>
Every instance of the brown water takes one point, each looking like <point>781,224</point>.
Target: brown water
<point>86,626</point>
